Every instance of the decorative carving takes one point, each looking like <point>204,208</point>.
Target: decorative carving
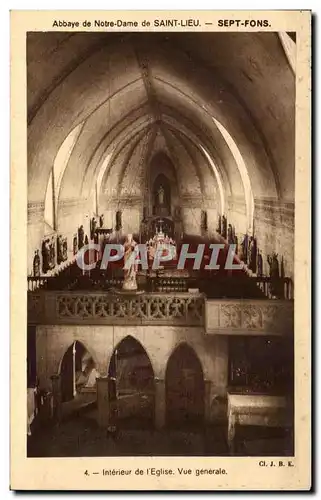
<point>244,317</point>
<point>34,305</point>
<point>152,308</point>
<point>230,317</point>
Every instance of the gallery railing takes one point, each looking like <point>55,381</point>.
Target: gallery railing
<point>280,289</point>
<point>49,307</point>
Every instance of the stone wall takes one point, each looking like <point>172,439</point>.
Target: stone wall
<point>158,341</point>
<point>274,230</point>
<point>70,215</point>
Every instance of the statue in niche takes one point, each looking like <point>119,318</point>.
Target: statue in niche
<point>161,195</point>
<point>81,236</point>
<point>36,264</point>
<point>118,220</point>
<point>130,265</point>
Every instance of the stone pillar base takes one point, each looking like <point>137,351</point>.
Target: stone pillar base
<point>160,404</point>
<point>103,405</point>
<point>56,397</point>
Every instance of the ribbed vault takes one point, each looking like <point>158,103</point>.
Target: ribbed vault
<point>133,96</point>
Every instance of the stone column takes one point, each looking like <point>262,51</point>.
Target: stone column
<point>160,403</point>
<point>103,405</point>
<point>207,401</point>
<point>56,397</point>
<point>74,369</point>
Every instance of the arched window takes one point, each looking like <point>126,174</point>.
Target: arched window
<point>249,200</point>
<point>56,176</point>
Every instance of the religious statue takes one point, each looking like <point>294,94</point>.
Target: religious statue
<point>81,235</point>
<point>230,234</point>
<point>252,254</point>
<point>75,245</point>
<point>244,245</point>
<point>45,256</point>
<point>203,220</point>
<point>161,195</point>
<point>86,240</point>
<point>234,237</point>
<point>274,274</point>
<point>259,264</point>
<point>130,266</point>
<point>118,220</point>
<point>59,249</point>
<point>101,220</point>
<point>219,225</point>
<point>224,227</point>
<point>282,271</point>
<point>52,254</point>
<point>236,243</point>
<point>36,264</point>
<point>93,226</point>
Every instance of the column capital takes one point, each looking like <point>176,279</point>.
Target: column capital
<point>159,380</point>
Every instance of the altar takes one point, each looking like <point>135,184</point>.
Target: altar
<point>255,410</point>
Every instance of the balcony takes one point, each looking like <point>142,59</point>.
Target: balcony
<point>249,317</point>
<point>89,308</point>
<point>217,316</point>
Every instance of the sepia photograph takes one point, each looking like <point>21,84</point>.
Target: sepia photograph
<point>160,139</point>
<point>161,228</point>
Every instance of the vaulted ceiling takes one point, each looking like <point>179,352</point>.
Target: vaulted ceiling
<point>135,95</point>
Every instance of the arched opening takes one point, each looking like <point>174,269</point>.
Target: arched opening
<point>161,196</point>
<point>78,373</point>
<point>184,388</point>
<point>131,389</point>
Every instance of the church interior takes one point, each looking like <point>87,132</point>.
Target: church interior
<point>160,138</point>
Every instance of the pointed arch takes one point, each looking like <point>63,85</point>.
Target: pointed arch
<point>184,387</point>
<point>78,371</point>
<point>131,384</point>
